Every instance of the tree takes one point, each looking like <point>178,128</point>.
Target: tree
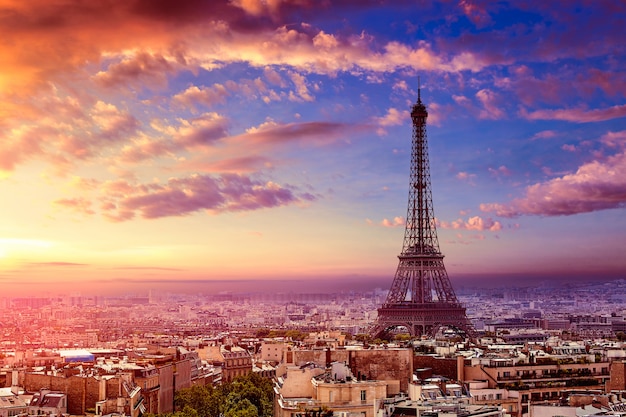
<point>261,333</point>
<point>243,408</point>
<point>205,400</point>
<point>319,412</point>
<point>245,396</point>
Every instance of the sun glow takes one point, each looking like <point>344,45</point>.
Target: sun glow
<point>9,245</point>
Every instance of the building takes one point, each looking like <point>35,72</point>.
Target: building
<point>542,380</point>
<point>392,365</point>
<point>436,397</point>
<point>11,403</point>
<point>236,362</point>
<point>334,388</point>
<point>50,403</point>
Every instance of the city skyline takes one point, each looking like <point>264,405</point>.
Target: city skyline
<point>148,143</point>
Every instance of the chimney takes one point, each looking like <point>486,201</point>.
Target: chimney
<point>460,368</point>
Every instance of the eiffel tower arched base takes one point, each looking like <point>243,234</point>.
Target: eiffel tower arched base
<point>421,319</point>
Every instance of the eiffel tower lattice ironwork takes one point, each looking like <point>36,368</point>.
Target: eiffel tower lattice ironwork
<point>421,297</point>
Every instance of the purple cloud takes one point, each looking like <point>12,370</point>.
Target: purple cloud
<point>594,186</point>
<point>215,194</point>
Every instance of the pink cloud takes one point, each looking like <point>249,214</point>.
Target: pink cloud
<point>597,185</point>
<point>466,176</point>
<point>500,171</point>
<point>577,115</point>
<point>273,77</point>
<point>491,105</point>
<point>614,139</point>
<point>530,89</point>
<point>79,205</point>
<point>23,143</point>
<point>476,13</point>
<point>62,139</point>
<point>198,131</point>
<point>611,83</point>
<point>145,148</point>
<point>237,165</point>
<point>308,132</point>
<point>207,96</point>
<point>184,196</point>
<point>140,71</point>
<point>395,222</point>
<point>55,264</point>
<point>394,117</point>
<point>473,223</point>
<point>544,134</point>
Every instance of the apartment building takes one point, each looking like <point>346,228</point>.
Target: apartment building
<point>311,387</point>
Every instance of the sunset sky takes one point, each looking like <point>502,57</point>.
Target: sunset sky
<point>186,141</point>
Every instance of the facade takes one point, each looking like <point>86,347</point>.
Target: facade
<point>333,388</point>
<point>147,379</point>
<point>272,351</point>
<point>507,379</point>
<point>11,403</point>
<point>237,362</point>
<point>436,397</point>
<point>392,365</point>
<point>46,402</point>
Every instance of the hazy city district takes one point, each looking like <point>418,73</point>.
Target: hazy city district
<point>536,349</point>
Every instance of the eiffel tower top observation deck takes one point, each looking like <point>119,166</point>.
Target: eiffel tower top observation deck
<point>421,297</point>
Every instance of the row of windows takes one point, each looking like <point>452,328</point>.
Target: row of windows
<point>363,396</point>
<point>552,371</point>
<point>238,362</point>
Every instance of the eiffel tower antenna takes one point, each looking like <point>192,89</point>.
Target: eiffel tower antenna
<point>421,298</point>
<point>419,90</point>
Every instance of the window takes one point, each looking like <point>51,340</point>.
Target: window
<point>363,395</point>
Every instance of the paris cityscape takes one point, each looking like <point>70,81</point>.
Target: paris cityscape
<point>204,202</point>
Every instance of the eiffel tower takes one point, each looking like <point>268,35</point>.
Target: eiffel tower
<point>421,297</point>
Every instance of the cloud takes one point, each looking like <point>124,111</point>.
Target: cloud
<point>207,96</point>
<point>214,194</point>
<point>67,137</point>
<point>466,176</point>
<point>544,134</point>
<point>500,171</point>
<point>394,117</point>
<point>79,205</point>
<point>302,91</point>
<point>173,39</point>
<point>140,70</point>
<point>395,222</point>
<point>597,185</point>
<point>475,13</point>
<point>237,165</point>
<point>490,102</point>
<point>473,223</point>
<point>200,131</point>
<point>55,264</point>
<point>614,139</point>
<point>579,115</point>
<point>271,132</point>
